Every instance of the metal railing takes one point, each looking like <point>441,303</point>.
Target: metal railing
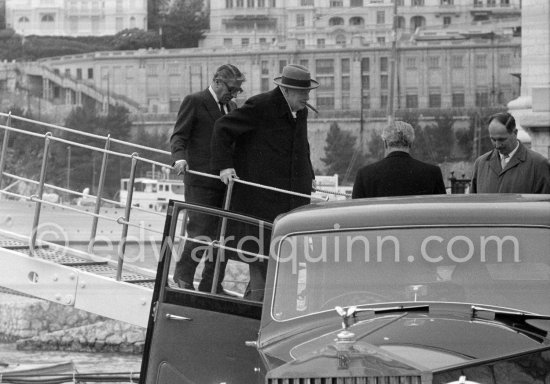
<point>38,198</point>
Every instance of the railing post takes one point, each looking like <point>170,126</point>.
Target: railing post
<point>38,206</point>
<point>4,153</point>
<point>99,194</point>
<point>221,251</point>
<point>127,210</point>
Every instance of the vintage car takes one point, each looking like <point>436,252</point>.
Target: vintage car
<point>423,289</point>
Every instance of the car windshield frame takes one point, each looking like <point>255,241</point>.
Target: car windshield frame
<point>426,279</point>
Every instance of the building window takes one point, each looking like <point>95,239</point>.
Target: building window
<point>491,3</point>
<point>457,61</point>
<point>228,4</point>
<point>383,64</point>
<point>90,73</point>
<point>304,63</point>
<point>263,41</point>
<point>265,84</point>
<point>273,3</point>
<point>307,3</point>
<point>417,22</point>
<point>447,2</point>
<point>341,40</point>
<point>480,61</point>
<point>227,42</point>
<point>174,106</point>
<point>23,19</point>
<point>383,81</point>
<point>300,20</point>
<point>356,3</point>
<point>325,102</point>
<point>245,42</point>
<point>505,3</point>
<point>265,67</point>
<point>411,101</point>
<point>383,101</point>
<point>47,18</point>
<point>250,3</point>
<point>345,70</point>
<point>365,81</point>
<point>132,22</point>
<point>345,66</point>
<point>434,100</point>
<point>345,83</point>
<point>79,73</point>
<point>504,60</point>
<point>400,3</point>
<point>400,22</point>
<point>68,72</point>
<point>301,44</point>
<point>365,64</point>
<point>335,21</point>
<point>282,64</point>
<point>261,3</point>
<point>320,43</point>
<point>381,40</point>
<point>410,62</point>
<point>458,100</point>
<point>447,21</point>
<point>357,21</point>
<point>336,3</point>
<point>365,102</point>
<point>417,3</point>
<point>345,102</point>
<point>482,98</point>
<point>433,61</point>
<point>240,4</point>
<point>380,17</point>
<point>324,67</point>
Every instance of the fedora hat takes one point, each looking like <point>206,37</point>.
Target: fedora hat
<point>296,77</point>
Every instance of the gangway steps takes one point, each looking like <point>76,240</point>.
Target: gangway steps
<point>101,268</point>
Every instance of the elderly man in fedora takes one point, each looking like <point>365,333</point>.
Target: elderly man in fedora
<point>265,141</point>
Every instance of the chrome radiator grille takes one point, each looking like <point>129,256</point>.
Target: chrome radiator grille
<point>350,380</point>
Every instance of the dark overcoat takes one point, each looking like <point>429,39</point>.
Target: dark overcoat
<point>526,172</point>
<point>265,145</point>
<point>192,134</point>
<point>398,174</point>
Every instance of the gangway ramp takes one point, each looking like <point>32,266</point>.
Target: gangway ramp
<point>76,279</point>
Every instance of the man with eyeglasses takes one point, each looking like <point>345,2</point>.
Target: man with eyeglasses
<point>190,147</point>
<point>510,167</point>
<point>265,142</point>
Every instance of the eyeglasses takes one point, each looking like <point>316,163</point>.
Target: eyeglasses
<point>233,90</point>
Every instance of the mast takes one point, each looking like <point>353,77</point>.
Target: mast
<point>393,64</point>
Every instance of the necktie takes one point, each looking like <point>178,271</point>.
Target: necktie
<point>222,108</point>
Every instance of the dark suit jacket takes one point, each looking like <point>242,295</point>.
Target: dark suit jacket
<point>192,135</point>
<point>398,174</point>
<point>265,145</point>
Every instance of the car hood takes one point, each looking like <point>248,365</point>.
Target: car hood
<point>403,342</point>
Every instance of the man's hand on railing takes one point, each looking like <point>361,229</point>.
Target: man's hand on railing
<point>181,167</point>
<point>228,174</point>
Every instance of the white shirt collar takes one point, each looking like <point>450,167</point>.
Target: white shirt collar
<point>509,156</point>
<point>213,94</point>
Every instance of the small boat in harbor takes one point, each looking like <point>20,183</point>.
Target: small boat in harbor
<point>35,372</point>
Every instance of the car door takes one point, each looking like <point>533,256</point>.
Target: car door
<point>197,337</point>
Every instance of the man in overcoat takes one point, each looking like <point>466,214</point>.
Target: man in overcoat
<point>510,167</point>
<point>190,145</point>
<point>398,174</point>
<point>265,142</point>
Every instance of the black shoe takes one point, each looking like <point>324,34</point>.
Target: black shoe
<point>185,284</point>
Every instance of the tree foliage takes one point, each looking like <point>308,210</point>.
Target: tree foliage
<point>341,155</point>
<point>184,25</point>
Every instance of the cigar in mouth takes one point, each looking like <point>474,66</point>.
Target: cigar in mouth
<point>312,107</point>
